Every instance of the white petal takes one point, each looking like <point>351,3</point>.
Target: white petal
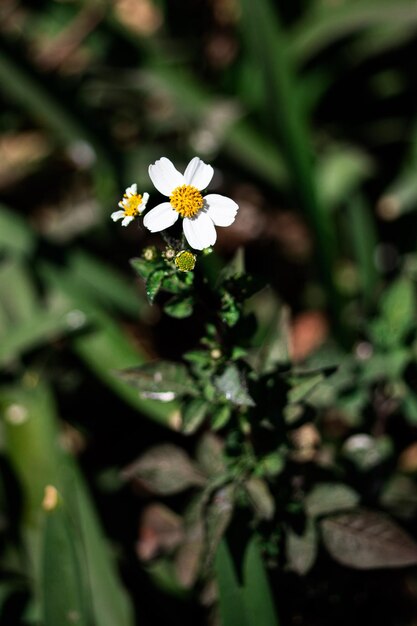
<point>144,202</point>
<point>199,231</point>
<point>198,174</point>
<point>127,220</point>
<point>161,217</point>
<point>117,215</point>
<point>222,210</point>
<point>165,177</point>
<point>132,190</point>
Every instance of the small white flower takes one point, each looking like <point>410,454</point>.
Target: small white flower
<point>201,214</point>
<point>131,205</point>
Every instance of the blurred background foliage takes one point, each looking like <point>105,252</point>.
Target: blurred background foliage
<point>307,111</point>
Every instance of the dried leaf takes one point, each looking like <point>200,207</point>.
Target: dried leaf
<point>367,540</point>
<point>165,470</point>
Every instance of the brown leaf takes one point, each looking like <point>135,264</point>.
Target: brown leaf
<point>164,470</point>
<point>367,540</point>
<point>160,530</point>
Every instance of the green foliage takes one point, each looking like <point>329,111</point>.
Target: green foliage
<point>294,405</point>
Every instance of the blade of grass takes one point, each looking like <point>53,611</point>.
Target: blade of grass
<point>267,44</point>
<point>240,139</point>
<point>331,23</point>
<point>364,241</point>
<point>232,609</point>
<point>258,601</point>
<point>32,446</point>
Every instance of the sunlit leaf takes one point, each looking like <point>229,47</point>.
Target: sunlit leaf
<point>160,380</point>
<point>232,384</point>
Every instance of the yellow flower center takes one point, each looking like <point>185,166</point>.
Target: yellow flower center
<point>186,200</point>
<point>131,204</point>
<point>185,261</point>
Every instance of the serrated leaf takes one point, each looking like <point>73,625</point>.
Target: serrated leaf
<point>161,380</point>
<point>179,307</point>
<point>153,284</point>
<point>368,540</point>
<point>230,311</point>
<point>301,550</point>
<point>173,283</point>
<point>326,498</point>
<point>232,384</point>
<point>165,470</point>
<point>193,414</point>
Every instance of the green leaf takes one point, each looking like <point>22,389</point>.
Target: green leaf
<point>366,452</point>
<point>257,596</point>
<point>252,603</point>
<point>15,234</point>
<point>153,284</point>
<point>105,284</point>
<point>193,415</point>
<point>220,416</point>
<point>230,310</point>
<point>110,603</point>
<point>160,380</point>
<point>180,307</point>
<point>326,498</point>
<point>232,609</point>
<point>398,305</point>
<point>18,298</point>
<point>232,384</point>
<point>63,591</point>
<point>302,390</point>
<point>142,267</point>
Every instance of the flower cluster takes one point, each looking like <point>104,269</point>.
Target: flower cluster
<point>200,214</point>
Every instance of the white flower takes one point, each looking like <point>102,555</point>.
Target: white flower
<point>131,205</point>
<point>201,214</point>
